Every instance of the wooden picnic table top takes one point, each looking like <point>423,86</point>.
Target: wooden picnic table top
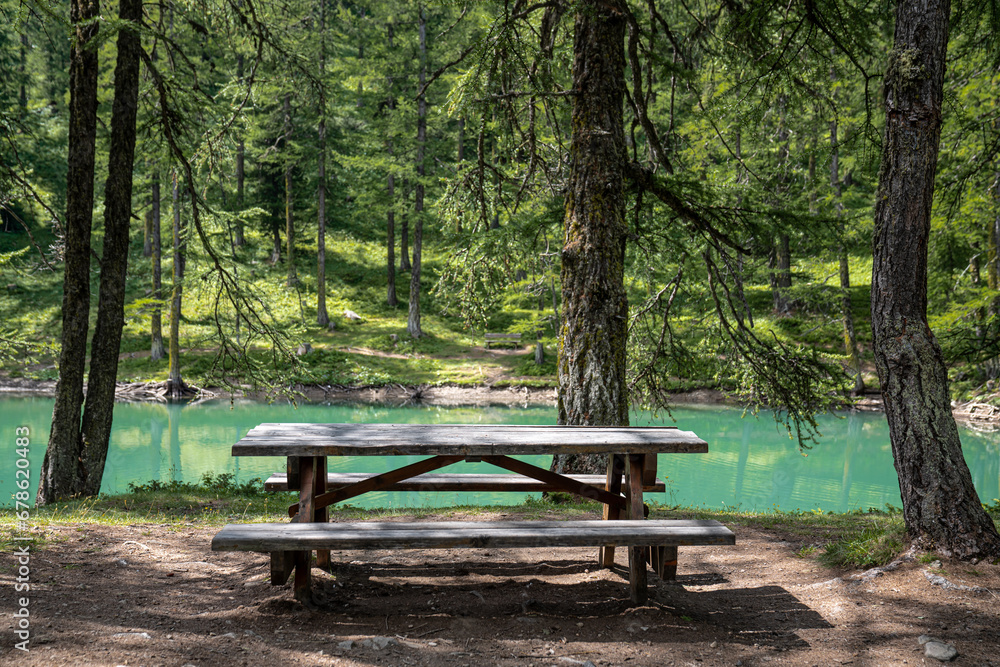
<point>309,439</point>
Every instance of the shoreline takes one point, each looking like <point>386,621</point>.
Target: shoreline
<point>974,415</point>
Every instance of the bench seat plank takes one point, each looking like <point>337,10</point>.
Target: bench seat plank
<point>458,440</point>
<point>455,482</point>
<point>271,537</point>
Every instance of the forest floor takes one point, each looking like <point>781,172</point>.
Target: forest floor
<point>155,594</point>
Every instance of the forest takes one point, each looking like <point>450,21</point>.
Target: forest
<point>659,196</point>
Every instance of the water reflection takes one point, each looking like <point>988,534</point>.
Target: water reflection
<point>751,463</point>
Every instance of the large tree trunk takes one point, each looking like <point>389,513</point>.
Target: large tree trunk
<point>591,366</point>
<point>940,505</point>
<point>61,475</point>
<point>413,319</point>
<point>99,408</point>
<point>322,317</point>
<point>289,226</point>
<point>156,324</point>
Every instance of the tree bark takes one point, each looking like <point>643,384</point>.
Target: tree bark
<point>175,384</point>
<point>22,67</point>
<point>591,364</point>
<point>289,226</point>
<point>390,243</point>
<point>940,505</point>
<point>239,239</point>
<point>413,319</point>
<point>322,317</point>
<point>98,410</point>
<point>61,475</point>
<point>404,233</point>
<point>156,325</point>
<point>390,216</point>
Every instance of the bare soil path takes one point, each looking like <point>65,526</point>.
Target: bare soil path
<point>157,595</point>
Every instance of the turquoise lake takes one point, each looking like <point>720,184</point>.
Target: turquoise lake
<point>751,462</point>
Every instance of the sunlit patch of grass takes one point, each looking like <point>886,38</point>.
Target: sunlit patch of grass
<point>876,544</point>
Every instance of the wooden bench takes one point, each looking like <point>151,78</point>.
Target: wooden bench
<point>510,338</point>
<point>286,541</point>
<point>472,482</point>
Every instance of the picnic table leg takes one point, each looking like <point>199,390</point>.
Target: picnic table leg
<point>322,515</point>
<point>303,559</point>
<point>616,467</point>
<point>636,555</point>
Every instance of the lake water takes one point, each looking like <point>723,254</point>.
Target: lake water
<point>751,462</point>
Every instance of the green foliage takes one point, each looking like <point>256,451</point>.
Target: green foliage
<point>876,544</point>
<point>222,484</point>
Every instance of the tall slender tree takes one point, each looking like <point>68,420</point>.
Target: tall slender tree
<point>322,317</point>
<point>156,324</point>
<point>293,278</point>
<point>61,470</point>
<point>98,409</point>
<point>413,319</point>
<point>175,383</point>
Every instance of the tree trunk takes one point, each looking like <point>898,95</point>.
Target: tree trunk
<point>22,67</point>
<point>293,280</point>
<point>239,240</point>
<point>61,475</point>
<point>461,159</point>
<point>782,279</point>
<point>846,311</point>
<point>390,243</point>
<point>322,317</point>
<point>156,351</point>
<point>591,365</point>
<point>404,233</point>
<point>390,216</point>
<point>175,384</point>
<point>99,407</point>
<point>147,232</point>
<point>413,319</point>
<point>940,505</point>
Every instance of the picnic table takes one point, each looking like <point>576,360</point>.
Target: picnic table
<point>631,470</point>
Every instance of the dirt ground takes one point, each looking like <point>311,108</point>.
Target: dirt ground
<point>157,595</point>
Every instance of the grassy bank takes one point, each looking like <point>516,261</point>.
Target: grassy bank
<point>858,539</point>
<point>376,350</point>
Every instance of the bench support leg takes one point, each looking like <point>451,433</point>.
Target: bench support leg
<point>636,555</point>
<point>664,562</point>
<point>616,468</point>
<point>282,563</point>
<point>303,577</point>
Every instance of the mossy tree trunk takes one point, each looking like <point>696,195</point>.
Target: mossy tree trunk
<point>940,505</point>
<point>413,318</point>
<point>74,461</point>
<point>98,411</point>
<point>322,317</point>
<point>591,365</point>
<point>61,475</point>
